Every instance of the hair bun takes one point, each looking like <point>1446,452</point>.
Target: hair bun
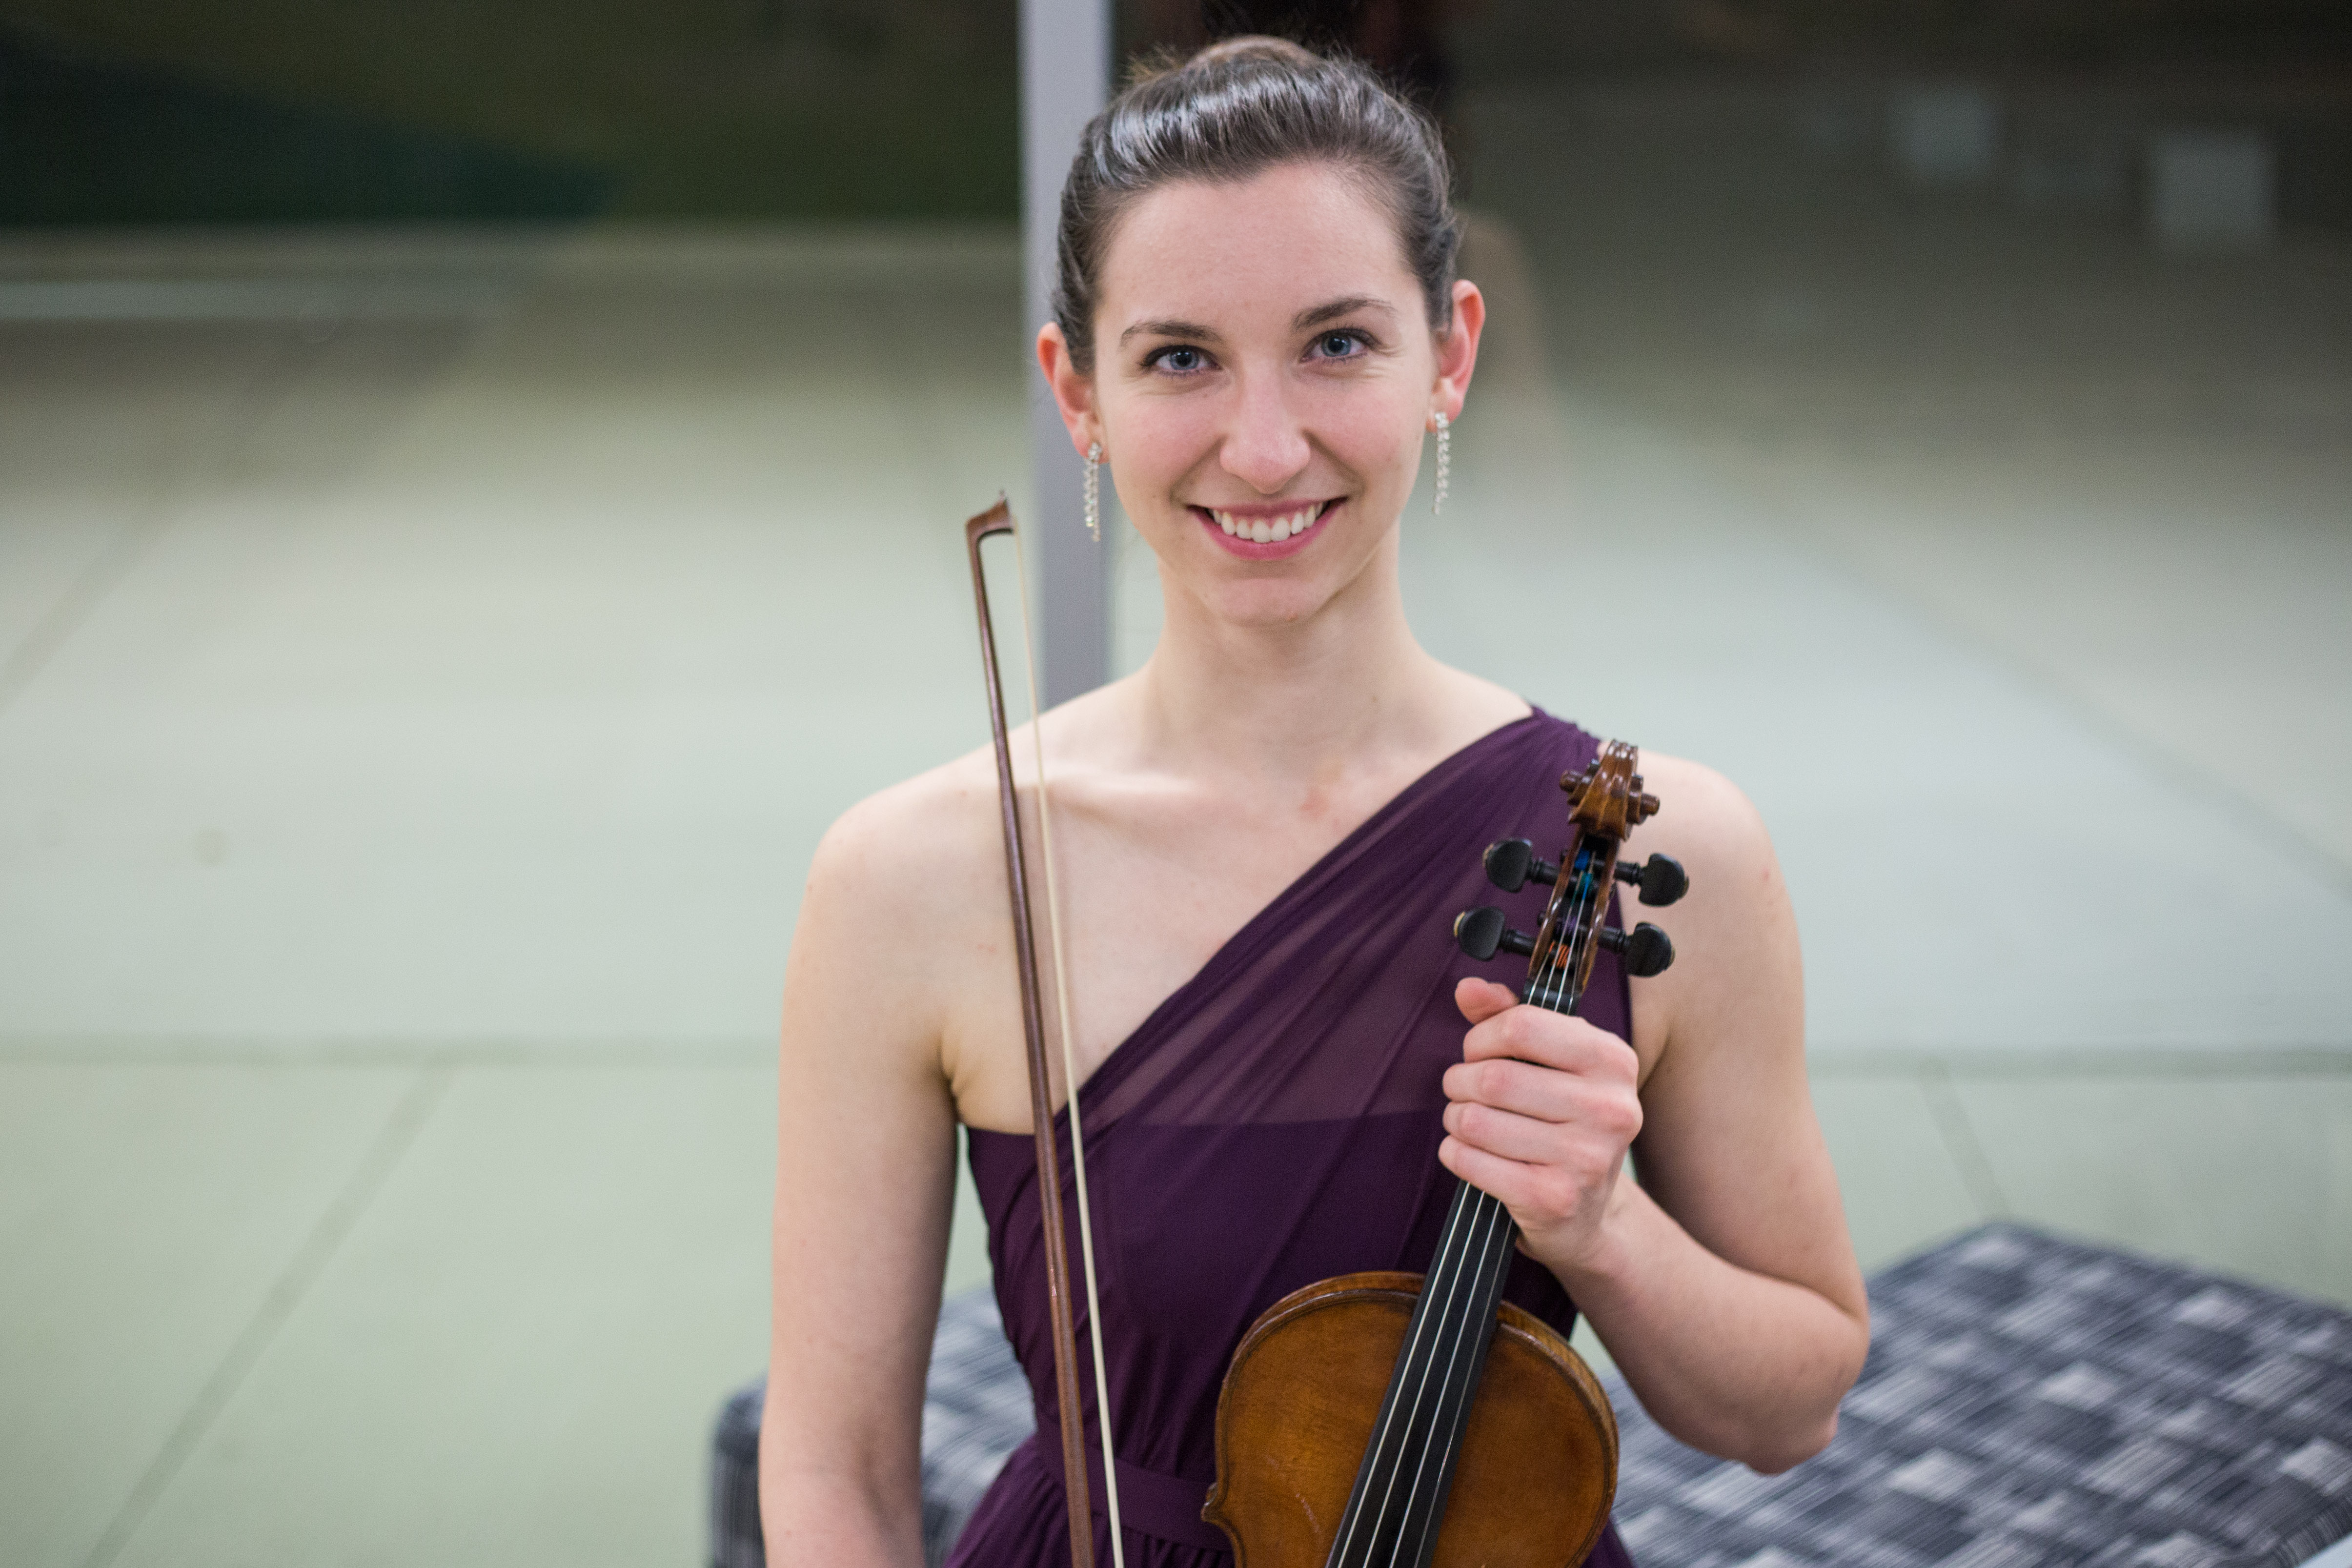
<point>1256,47</point>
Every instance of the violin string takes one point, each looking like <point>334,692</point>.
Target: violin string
<point>1069,1060</point>
<point>1444,1329</point>
<point>1442,1315</point>
<point>1461,1215</point>
<point>1464,1389</point>
<point>1464,1331</point>
<point>1559,969</point>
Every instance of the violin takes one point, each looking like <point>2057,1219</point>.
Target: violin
<point>1393,1420</point>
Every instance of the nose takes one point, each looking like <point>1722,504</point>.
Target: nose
<point>1265,447</point>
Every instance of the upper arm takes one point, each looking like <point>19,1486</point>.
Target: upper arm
<point>864,1174</point>
<point>1730,1145</point>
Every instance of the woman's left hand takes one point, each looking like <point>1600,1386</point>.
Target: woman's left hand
<point>1543,1107</point>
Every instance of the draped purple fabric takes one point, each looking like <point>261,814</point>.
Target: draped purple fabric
<point>1274,1123</point>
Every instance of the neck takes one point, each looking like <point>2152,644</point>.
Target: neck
<point>1296,703</point>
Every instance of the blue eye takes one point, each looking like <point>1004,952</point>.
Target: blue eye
<point>1179,359</point>
<point>1339,345</point>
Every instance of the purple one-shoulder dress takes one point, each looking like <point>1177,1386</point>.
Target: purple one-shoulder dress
<point>1276,1121</point>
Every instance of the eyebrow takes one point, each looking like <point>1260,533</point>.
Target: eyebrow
<point>1314,316</point>
<point>1168,329</point>
<point>1337,309</point>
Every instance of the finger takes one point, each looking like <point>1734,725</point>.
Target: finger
<point>1555,1040</point>
<point>1599,1106</point>
<point>1550,1123</point>
<point>1482,999</point>
<point>1508,1084</point>
<point>1510,1182</point>
<point>1527,1139</point>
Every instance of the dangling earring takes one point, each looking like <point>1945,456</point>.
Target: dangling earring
<point>1445,459</point>
<point>1094,489</point>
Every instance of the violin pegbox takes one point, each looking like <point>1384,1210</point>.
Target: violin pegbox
<point>1513,863</point>
<point>1605,802</point>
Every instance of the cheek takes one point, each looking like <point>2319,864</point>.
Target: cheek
<point>1151,451</point>
<point>1374,430</point>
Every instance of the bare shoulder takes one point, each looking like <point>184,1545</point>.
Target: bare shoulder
<point>907,932</point>
<point>891,850</point>
<point>1703,819</point>
<point>946,826</point>
<point>1737,982</point>
<point>1707,823</point>
<point>904,886</point>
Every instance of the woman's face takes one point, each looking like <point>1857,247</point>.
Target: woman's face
<point>1264,373</point>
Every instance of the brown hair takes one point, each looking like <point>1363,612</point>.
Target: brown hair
<point>1231,113</point>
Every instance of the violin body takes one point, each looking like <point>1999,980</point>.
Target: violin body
<point>1538,1458</point>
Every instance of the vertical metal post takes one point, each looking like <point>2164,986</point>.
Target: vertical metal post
<point>1065,80</point>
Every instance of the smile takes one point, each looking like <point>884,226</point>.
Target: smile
<point>1268,527</point>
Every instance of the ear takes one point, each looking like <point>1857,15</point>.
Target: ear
<point>1073,392</point>
<point>1457,350</point>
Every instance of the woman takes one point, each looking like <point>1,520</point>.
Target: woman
<point>1260,836</point>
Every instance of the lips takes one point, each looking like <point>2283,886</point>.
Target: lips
<point>1267,529</point>
<point>1269,534</point>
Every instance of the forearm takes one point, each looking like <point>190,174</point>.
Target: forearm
<point>1732,1362</point>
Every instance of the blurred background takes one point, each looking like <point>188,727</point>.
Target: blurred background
<point>478,493</point>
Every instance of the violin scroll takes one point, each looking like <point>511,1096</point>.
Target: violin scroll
<point>1605,802</point>
<point>1607,797</point>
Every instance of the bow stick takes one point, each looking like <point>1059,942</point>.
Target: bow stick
<point>997,520</point>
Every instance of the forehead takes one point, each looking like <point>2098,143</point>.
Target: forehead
<point>1296,235</point>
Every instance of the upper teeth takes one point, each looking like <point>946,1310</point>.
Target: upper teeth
<point>1267,530</point>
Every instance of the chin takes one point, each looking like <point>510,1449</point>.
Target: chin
<point>1269,603</point>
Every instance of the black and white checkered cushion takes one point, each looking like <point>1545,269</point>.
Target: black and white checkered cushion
<point>2028,1403</point>
<point>976,1410</point>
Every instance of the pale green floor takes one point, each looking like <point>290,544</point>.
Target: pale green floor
<point>412,737</point>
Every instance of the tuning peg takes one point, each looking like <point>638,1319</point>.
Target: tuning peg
<point>1511,864</point>
<point>1645,949</point>
<point>1661,880</point>
<point>1481,931</point>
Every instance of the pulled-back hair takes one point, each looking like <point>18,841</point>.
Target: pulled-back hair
<point>1231,113</point>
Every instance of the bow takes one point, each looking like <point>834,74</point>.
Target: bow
<point>998,520</point>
